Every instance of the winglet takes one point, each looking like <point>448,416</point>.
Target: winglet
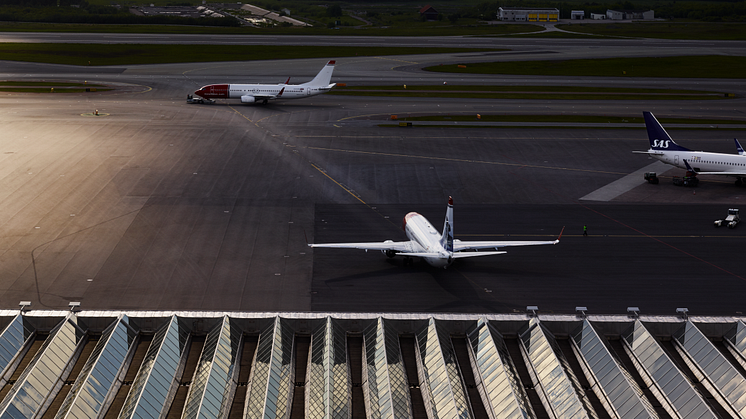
<point>738,147</point>
<point>560,235</point>
<point>288,81</point>
<point>281,90</point>
<point>332,62</point>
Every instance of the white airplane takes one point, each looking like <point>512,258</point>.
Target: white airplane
<point>251,93</point>
<point>663,148</point>
<point>438,250</point>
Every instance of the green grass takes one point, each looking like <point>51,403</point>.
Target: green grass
<point>663,30</point>
<point>411,29</point>
<point>556,34</point>
<point>526,92</point>
<point>704,66</point>
<point>131,54</point>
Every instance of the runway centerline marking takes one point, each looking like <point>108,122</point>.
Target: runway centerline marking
<point>451,159</point>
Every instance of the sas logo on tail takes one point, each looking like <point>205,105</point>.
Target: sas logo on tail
<point>661,143</point>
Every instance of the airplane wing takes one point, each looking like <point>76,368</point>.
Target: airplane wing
<point>403,247</point>
<point>459,245</point>
<point>722,173</point>
<point>689,168</point>
<point>259,98</point>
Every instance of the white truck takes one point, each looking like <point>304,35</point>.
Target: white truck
<point>731,220</point>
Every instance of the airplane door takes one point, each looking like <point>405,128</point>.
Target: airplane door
<point>676,160</point>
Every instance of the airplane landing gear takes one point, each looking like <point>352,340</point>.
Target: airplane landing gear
<point>264,102</point>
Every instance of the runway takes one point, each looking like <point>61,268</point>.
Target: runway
<point>161,205</point>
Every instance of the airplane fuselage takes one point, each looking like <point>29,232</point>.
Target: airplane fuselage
<point>426,239</point>
<point>236,91</point>
<point>703,161</point>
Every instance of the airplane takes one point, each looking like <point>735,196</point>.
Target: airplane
<point>665,149</point>
<point>438,250</point>
<point>251,93</point>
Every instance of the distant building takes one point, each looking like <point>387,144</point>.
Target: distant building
<point>429,13</point>
<point>577,15</point>
<point>630,14</point>
<point>522,14</point>
<point>614,15</point>
<point>598,16</point>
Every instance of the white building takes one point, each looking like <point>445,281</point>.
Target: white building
<point>630,15</point>
<point>577,15</point>
<point>614,15</point>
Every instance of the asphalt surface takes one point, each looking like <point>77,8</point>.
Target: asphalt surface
<point>157,204</point>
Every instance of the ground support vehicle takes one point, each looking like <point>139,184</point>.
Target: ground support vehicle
<point>731,220</point>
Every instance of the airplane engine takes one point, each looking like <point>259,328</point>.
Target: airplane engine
<point>248,99</point>
<point>389,252</point>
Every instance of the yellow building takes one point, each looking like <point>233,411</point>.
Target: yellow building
<point>520,14</point>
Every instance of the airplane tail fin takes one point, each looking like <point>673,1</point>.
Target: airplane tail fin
<point>738,147</point>
<point>447,239</point>
<point>659,138</point>
<point>324,77</point>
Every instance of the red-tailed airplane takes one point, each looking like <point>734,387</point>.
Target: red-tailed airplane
<point>438,250</point>
<point>251,93</point>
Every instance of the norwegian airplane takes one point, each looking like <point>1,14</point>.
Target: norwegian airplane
<point>438,250</point>
<point>663,148</point>
<point>251,93</point>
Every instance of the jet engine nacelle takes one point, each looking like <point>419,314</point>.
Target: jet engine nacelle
<point>389,252</point>
<point>248,99</point>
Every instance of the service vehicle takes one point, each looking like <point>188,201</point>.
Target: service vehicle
<point>731,220</point>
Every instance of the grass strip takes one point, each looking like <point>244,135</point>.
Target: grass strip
<point>663,30</point>
<point>432,29</point>
<point>699,66</point>
<point>131,54</point>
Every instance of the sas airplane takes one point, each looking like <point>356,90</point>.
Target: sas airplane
<point>251,93</point>
<point>438,250</point>
<point>663,148</point>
